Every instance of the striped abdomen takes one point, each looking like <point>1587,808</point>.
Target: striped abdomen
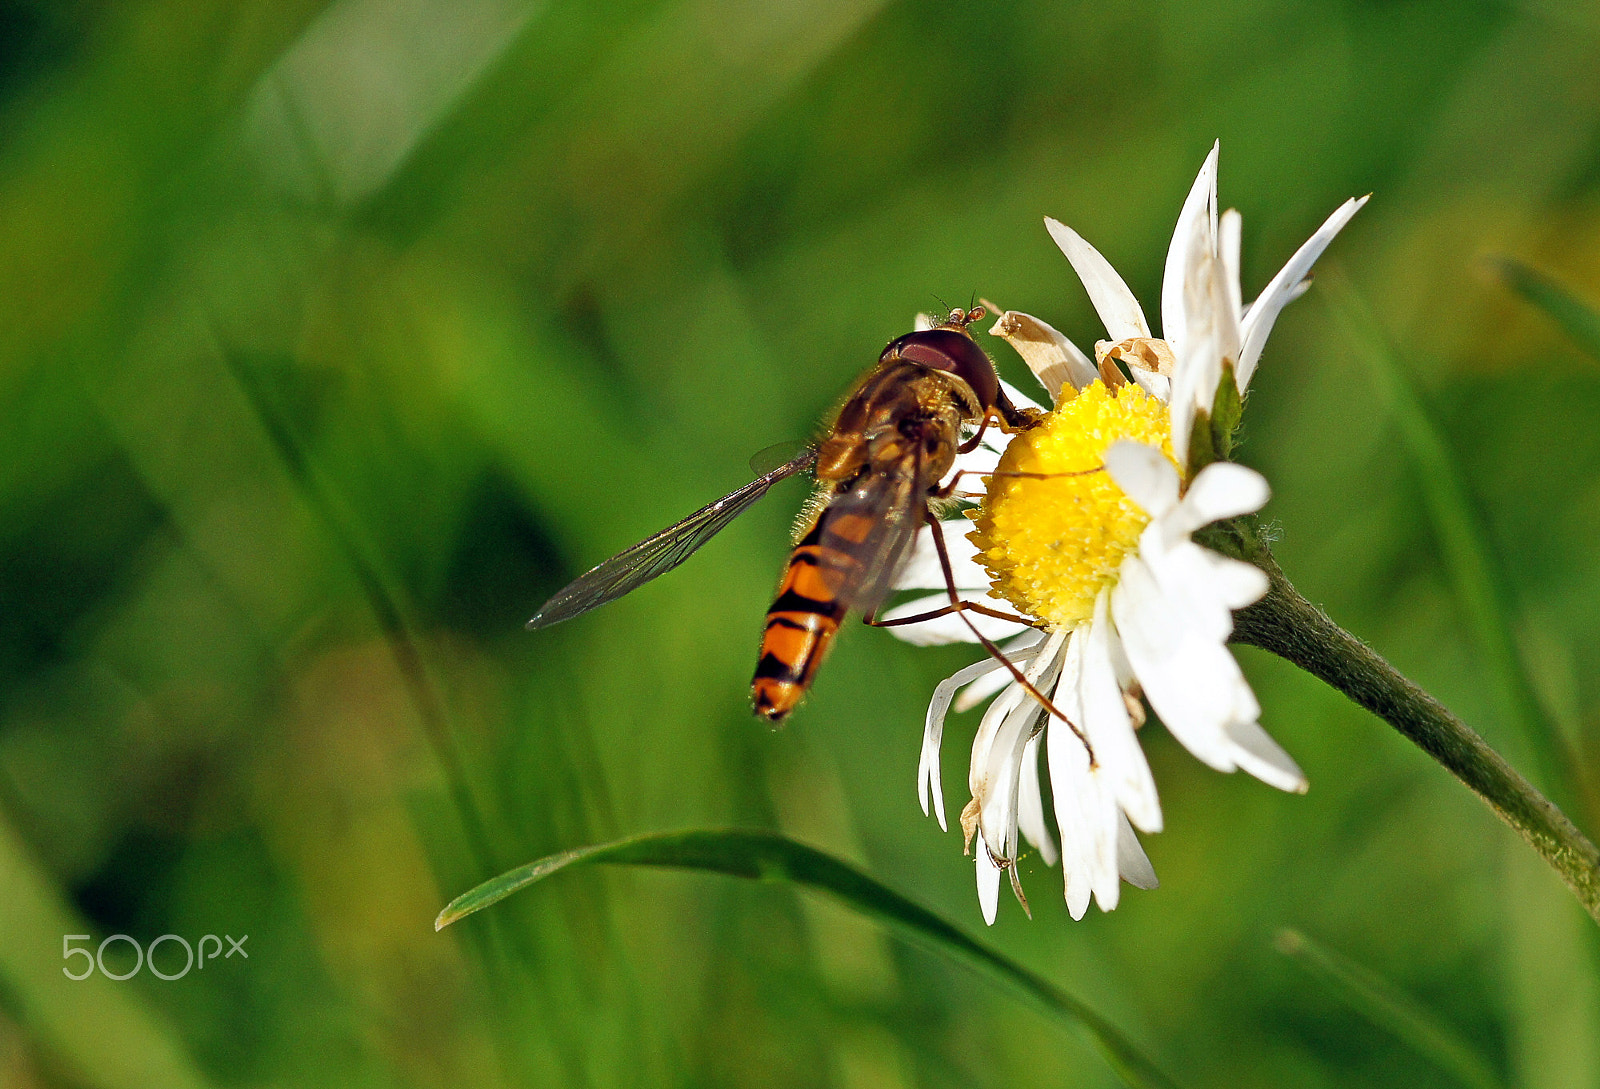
<point>800,626</point>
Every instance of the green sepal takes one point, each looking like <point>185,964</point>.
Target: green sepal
<point>1227,408</point>
<point>1202,444</point>
<point>1211,437</point>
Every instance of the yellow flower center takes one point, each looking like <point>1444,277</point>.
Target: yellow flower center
<point>1054,539</point>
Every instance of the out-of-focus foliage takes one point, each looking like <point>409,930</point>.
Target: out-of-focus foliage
<point>334,337</point>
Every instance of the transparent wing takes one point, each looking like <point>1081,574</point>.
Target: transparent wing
<point>633,567</point>
<point>774,456</point>
<point>867,532</point>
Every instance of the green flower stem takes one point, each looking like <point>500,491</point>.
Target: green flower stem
<point>1291,627</point>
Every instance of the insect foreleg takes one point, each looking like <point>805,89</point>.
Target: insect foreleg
<point>949,489</point>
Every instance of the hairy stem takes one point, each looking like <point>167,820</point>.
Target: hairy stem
<point>1291,627</point>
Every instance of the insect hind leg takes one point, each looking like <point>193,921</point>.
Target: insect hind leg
<point>961,607</point>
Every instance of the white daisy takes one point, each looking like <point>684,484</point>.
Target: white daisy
<point>1085,530</point>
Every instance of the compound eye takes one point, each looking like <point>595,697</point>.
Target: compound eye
<point>955,353</point>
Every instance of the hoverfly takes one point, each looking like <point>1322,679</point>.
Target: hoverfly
<point>877,470</point>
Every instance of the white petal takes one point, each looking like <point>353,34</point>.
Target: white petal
<point>1020,649</point>
<point>1229,236</point>
<point>1145,474</point>
<point>1264,758</point>
<point>1210,585</point>
<point>1223,489</point>
<point>1077,898</point>
<point>1110,730</point>
<point>1156,385</point>
<point>928,777</point>
<point>988,746</point>
<point>1103,819</point>
<point>1069,773</point>
<point>1098,811</point>
<point>982,688</point>
<point>1132,862</point>
<point>988,883</point>
<point>1211,335</point>
<point>1000,802</point>
<point>1030,805</point>
<point>982,742</point>
<point>1111,298</point>
<point>1189,678</point>
<point>1193,228</point>
<point>1054,360</point>
<point>1285,286</point>
<point>998,788</point>
<point>922,571</point>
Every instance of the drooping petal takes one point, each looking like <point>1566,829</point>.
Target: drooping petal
<point>983,741</point>
<point>1193,229</point>
<point>1110,730</point>
<point>1264,758</point>
<point>1086,810</point>
<point>1030,805</point>
<point>986,686</point>
<point>997,789</point>
<point>1054,360</point>
<point>1103,818</point>
<point>928,777</point>
<point>1179,596</point>
<point>1132,862</point>
<point>1285,286</point>
<point>1069,767</point>
<point>988,882</point>
<point>1175,635</point>
<point>1112,300</point>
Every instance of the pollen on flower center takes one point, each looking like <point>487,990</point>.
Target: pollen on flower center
<point>1051,542</point>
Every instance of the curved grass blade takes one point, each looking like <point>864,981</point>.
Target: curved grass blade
<point>1475,574</point>
<point>1390,1009</point>
<point>1579,319</point>
<point>766,856</point>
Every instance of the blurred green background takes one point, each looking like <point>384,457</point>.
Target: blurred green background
<point>334,337</point>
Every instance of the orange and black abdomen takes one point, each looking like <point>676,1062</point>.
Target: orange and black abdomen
<point>800,626</point>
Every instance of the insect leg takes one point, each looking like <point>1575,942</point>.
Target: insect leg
<point>963,607</point>
<point>949,489</point>
<point>946,610</point>
<point>972,444</point>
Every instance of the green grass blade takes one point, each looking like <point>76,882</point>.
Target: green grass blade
<point>1479,586</point>
<point>1390,1009</point>
<point>765,856</point>
<point>1580,320</point>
